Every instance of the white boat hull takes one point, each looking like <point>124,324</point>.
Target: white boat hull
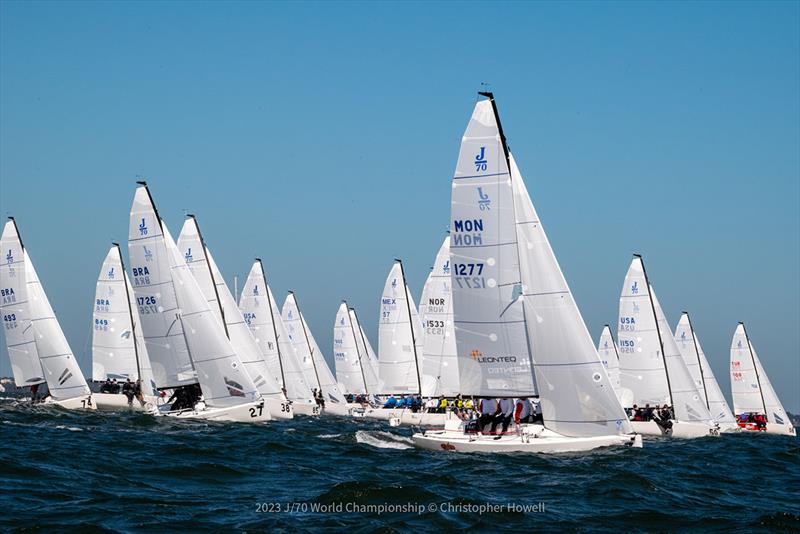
<point>306,408</point>
<point>84,402</point>
<point>680,429</point>
<point>279,408</point>
<point>251,412</point>
<point>408,418</point>
<point>115,401</point>
<point>530,439</point>
<point>337,409</point>
<point>780,430</point>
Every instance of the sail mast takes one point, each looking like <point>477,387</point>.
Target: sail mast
<point>699,363</point>
<point>274,326</point>
<point>305,333</point>
<point>210,273</point>
<point>411,324</point>
<point>755,368</point>
<point>355,340</point>
<point>616,352</point>
<point>658,330</point>
<point>130,313</point>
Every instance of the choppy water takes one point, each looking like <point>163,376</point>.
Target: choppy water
<point>128,472</point>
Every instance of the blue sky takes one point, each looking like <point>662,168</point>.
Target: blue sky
<point>322,137</point>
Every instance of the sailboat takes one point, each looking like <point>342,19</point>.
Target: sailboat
<point>353,371</point>
<point>186,342</point>
<point>198,257</point>
<point>752,391</point>
<point>36,344</point>
<point>264,319</point>
<point>311,358</point>
<point>703,376</point>
<point>501,258</point>
<point>399,337</point>
<point>118,348</point>
<point>651,364</point>
<point>609,355</point>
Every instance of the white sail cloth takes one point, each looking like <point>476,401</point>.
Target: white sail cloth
<point>751,388</point>
<point>439,355</point>
<point>607,350</point>
<point>156,302</point>
<point>220,300</point>
<point>20,342</point>
<point>491,338</point>
<point>575,392</point>
<point>368,356</point>
<point>64,377</point>
<point>118,348</point>
<point>295,328</point>
<point>351,367</point>
<point>263,317</point>
<point>689,345</point>
<point>399,336</point>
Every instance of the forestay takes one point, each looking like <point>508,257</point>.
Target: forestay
<point>752,390</point>
<point>154,293</point>
<point>439,356</point>
<point>687,339</point>
<point>575,393</point>
<point>20,342</point>
<point>491,339</point>
<point>63,375</point>
<point>397,343</point>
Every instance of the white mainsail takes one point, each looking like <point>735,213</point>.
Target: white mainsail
<point>399,336</point>
<point>350,365</point>
<point>651,364</point>
<point>689,345</point>
<point>751,388</point>
<point>641,364</point>
<point>256,307</point>
<point>688,349</point>
<point>575,392</point>
<point>20,342</point>
<point>607,350</point>
<point>264,319</point>
<point>63,375</point>
<point>295,328</point>
<point>439,355</point>
<point>205,270</point>
<point>493,353</point>
<point>118,348</point>
<point>154,291</point>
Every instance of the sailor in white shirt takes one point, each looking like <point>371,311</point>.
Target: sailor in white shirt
<point>522,411</point>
